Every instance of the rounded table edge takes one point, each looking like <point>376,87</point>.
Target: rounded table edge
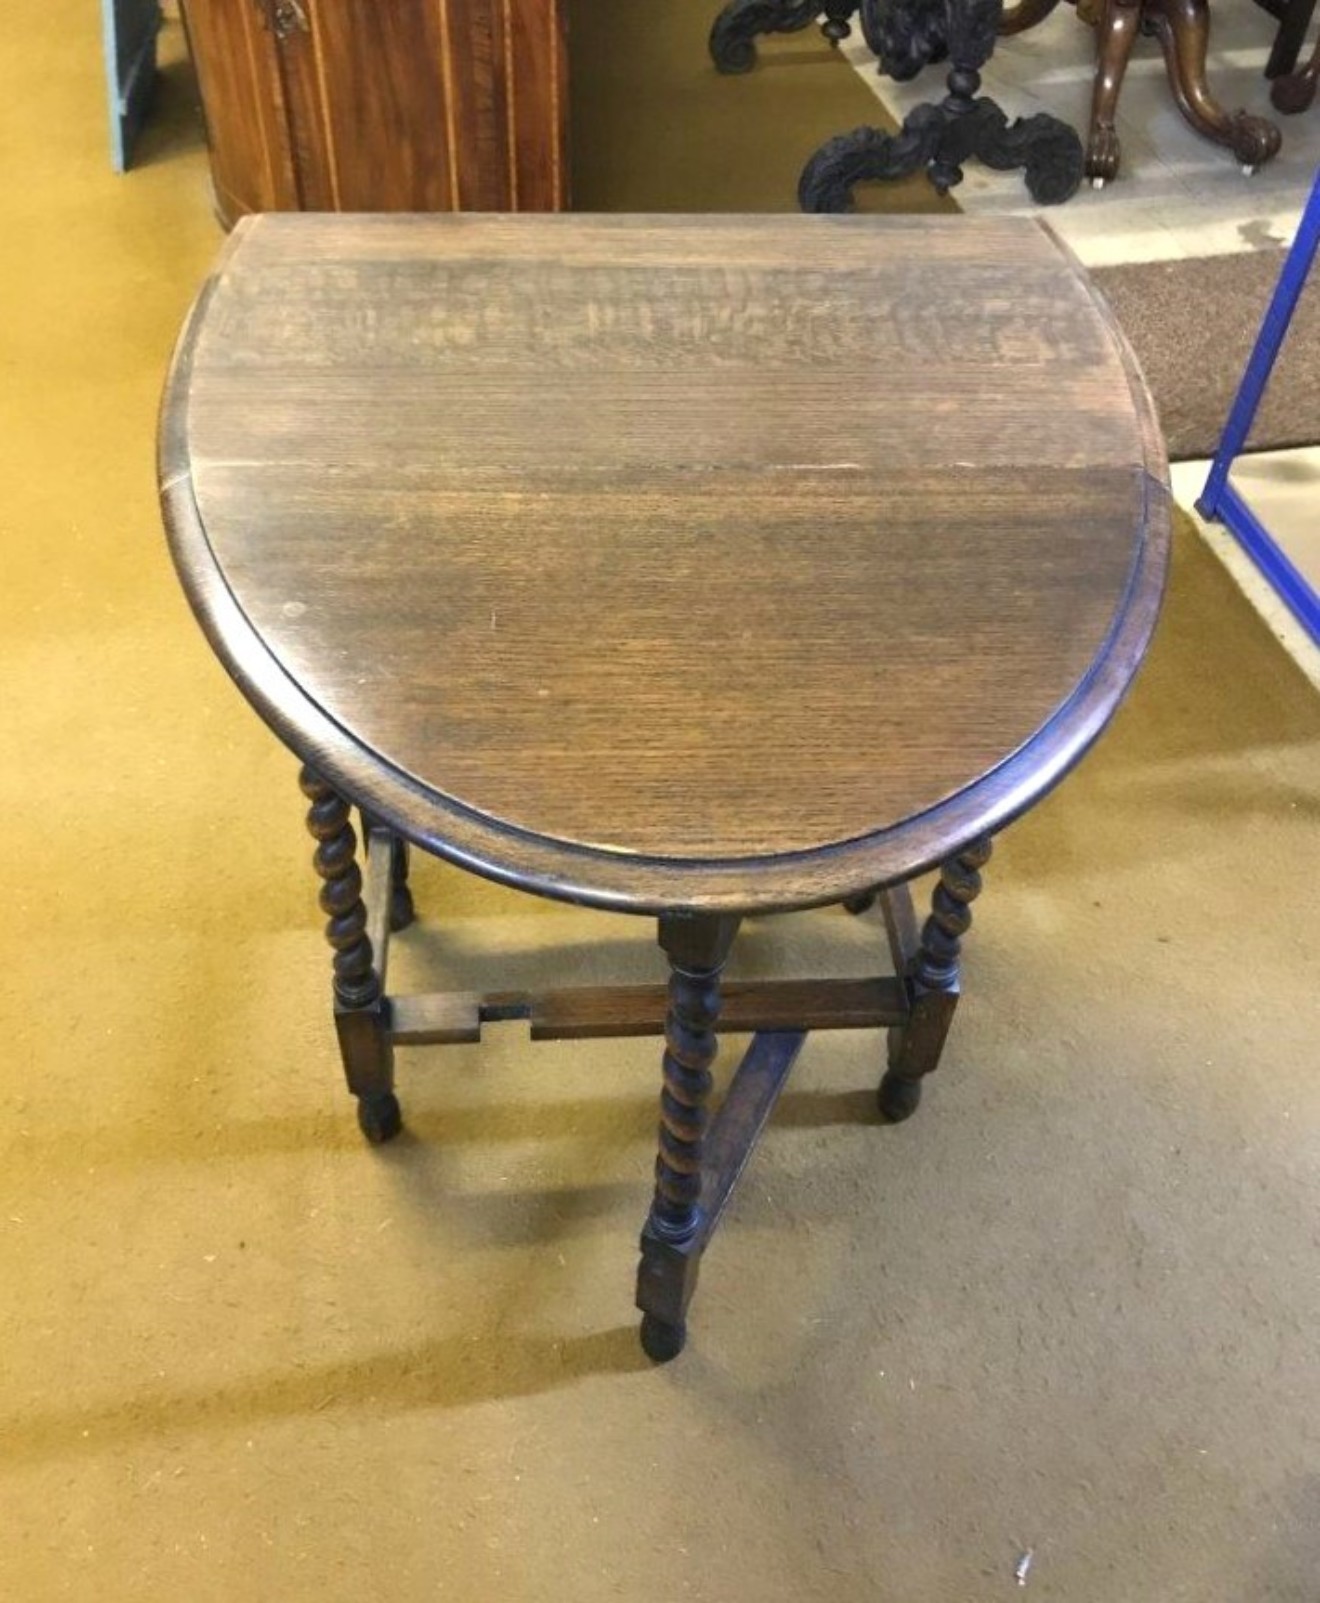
<point>571,872</point>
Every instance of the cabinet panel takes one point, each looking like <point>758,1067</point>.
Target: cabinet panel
<point>418,105</point>
<point>238,73</point>
<point>373,122</point>
<point>477,71</point>
<point>538,36</point>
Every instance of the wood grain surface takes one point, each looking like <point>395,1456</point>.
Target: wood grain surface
<point>410,105</point>
<point>247,117</point>
<point>710,561</point>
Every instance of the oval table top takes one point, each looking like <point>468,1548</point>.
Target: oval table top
<point>669,562</point>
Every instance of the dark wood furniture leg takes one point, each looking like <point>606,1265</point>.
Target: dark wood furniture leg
<point>1295,91</point>
<point>1183,30</point>
<point>838,24</point>
<point>1294,20</point>
<point>940,138</point>
<point>1115,34</point>
<point>733,33</point>
<point>933,980</point>
<point>361,1022</point>
<point>697,948</point>
<point>402,911</point>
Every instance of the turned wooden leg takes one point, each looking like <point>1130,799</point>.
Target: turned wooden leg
<point>914,1048</point>
<point>364,1038</point>
<point>1183,29</point>
<point>1116,32</point>
<point>697,947</point>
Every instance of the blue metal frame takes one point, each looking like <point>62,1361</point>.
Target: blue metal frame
<point>1219,501</point>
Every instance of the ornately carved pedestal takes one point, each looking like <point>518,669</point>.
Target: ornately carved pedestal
<point>907,35</point>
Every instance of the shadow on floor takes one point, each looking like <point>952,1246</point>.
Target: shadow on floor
<point>448,1372</point>
<point>174,125</point>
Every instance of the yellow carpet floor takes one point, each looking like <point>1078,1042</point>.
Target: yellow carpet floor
<point>1072,1306</point>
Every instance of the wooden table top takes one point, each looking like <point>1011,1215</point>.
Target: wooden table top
<point>669,562</point>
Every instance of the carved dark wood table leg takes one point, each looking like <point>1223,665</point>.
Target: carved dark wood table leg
<point>1292,92</point>
<point>735,30</point>
<point>360,1014</point>
<point>1294,21</point>
<point>582,605</point>
<point>915,1047</point>
<point>1116,33</point>
<point>1183,30</point>
<point>939,139</point>
<point>667,1276</point>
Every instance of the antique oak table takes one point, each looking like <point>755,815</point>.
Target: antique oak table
<point>687,567</point>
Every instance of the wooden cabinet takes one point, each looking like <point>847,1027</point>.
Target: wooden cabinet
<point>383,105</point>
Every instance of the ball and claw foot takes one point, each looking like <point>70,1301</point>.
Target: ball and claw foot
<point>379,1117</point>
<point>898,1098</point>
<point>402,911</point>
<point>1255,141</point>
<point>662,1341</point>
<point>1102,156</point>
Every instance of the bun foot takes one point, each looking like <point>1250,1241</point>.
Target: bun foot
<point>1293,93</point>
<point>661,1341</point>
<point>898,1097</point>
<point>379,1117</point>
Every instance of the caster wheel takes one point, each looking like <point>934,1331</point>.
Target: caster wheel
<point>863,902</point>
<point>660,1341</point>
<point>402,911</point>
<point>379,1117</point>
<point>898,1098</point>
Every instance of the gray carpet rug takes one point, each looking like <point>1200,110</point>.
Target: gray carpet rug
<point>1193,323</point>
